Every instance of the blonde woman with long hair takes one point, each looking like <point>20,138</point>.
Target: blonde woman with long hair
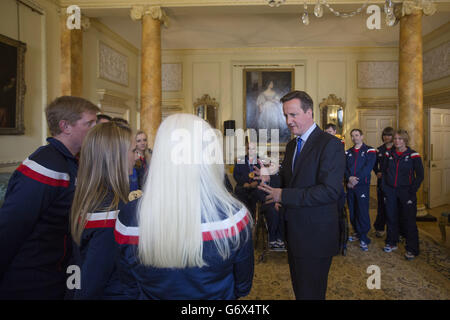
<point>102,187</point>
<point>187,237</point>
<point>143,157</point>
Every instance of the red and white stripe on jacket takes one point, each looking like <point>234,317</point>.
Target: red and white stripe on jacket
<point>105,219</point>
<point>210,230</point>
<point>44,175</point>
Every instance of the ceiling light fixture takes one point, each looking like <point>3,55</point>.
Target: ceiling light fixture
<point>275,3</point>
<point>390,18</point>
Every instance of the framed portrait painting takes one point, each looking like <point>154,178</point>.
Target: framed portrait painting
<point>12,86</point>
<point>263,89</point>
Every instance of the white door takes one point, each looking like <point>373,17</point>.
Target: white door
<point>439,159</point>
<point>372,123</point>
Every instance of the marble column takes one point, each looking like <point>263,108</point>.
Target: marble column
<point>72,57</point>
<point>151,92</point>
<point>410,80</point>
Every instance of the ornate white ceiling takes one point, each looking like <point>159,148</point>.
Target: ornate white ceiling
<point>253,24</point>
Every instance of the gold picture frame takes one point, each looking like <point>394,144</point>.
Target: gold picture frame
<point>263,88</point>
<point>12,86</point>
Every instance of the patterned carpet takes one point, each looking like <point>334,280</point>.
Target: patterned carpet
<point>425,278</point>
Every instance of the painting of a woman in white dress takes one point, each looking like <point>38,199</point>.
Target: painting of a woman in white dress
<point>263,107</point>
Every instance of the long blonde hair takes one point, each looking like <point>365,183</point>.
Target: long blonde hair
<point>103,170</point>
<point>181,193</point>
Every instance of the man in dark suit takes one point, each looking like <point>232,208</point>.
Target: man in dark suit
<point>307,196</point>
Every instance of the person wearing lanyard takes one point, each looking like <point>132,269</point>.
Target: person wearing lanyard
<point>360,162</point>
<point>403,174</point>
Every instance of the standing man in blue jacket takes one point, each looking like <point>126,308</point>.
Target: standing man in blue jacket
<point>35,240</point>
<point>360,161</point>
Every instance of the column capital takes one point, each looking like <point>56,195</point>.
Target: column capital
<point>409,6</point>
<point>156,12</point>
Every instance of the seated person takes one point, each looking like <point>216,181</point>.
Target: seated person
<point>246,188</point>
<point>247,191</point>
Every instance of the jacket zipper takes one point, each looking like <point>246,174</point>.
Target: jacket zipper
<point>396,173</point>
<point>356,160</point>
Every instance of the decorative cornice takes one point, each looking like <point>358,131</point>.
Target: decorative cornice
<point>32,5</point>
<point>199,3</point>
<point>156,12</point>
<point>435,34</point>
<point>116,94</point>
<point>436,97</point>
<point>378,103</point>
<point>426,6</point>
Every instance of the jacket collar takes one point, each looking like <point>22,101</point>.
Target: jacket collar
<point>58,145</point>
<point>405,153</point>
<point>363,147</point>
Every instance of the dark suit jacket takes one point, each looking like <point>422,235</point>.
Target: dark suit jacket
<point>310,195</point>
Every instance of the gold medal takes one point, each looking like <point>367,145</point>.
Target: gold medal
<point>251,175</point>
<point>134,195</point>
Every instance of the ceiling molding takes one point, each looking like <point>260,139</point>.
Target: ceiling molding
<point>436,33</point>
<point>198,3</point>
<point>301,50</point>
<point>377,102</point>
<point>437,97</point>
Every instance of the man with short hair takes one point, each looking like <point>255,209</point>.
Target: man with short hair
<point>35,238</point>
<point>311,181</point>
<point>360,161</point>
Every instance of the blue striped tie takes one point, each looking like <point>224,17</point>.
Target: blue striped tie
<point>297,153</point>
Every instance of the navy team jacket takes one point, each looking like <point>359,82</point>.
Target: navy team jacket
<point>360,164</point>
<point>34,225</point>
<point>96,254</point>
<point>381,157</point>
<point>220,279</point>
<point>403,171</point>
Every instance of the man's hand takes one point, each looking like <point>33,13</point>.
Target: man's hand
<point>273,194</point>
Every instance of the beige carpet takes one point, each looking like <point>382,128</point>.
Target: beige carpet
<point>427,277</point>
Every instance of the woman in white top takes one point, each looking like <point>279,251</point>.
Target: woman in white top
<point>270,110</point>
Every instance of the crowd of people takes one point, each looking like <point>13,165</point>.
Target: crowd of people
<point>143,223</point>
